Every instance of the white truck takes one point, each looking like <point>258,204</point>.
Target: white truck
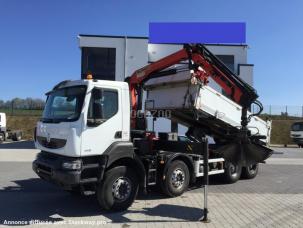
<point>93,136</point>
<point>5,134</point>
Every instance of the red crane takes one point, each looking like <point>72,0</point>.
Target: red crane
<point>202,65</point>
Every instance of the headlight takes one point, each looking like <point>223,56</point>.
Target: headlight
<point>72,165</point>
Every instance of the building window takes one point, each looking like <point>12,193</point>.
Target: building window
<point>229,61</point>
<point>100,62</point>
<point>104,106</point>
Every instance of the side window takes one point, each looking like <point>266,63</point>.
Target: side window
<point>101,62</point>
<point>103,104</point>
<point>228,60</point>
<point>109,103</point>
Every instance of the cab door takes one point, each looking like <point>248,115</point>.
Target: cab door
<point>103,122</point>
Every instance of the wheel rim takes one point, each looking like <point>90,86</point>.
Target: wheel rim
<point>252,168</point>
<point>121,189</point>
<point>233,169</point>
<point>178,178</point>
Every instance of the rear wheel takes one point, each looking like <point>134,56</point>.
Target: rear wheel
<point>176,179</point>
<point>232,173</point>
<point>250,172</point>
<point>118,189</point>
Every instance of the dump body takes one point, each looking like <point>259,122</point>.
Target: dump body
<point>200,105</point>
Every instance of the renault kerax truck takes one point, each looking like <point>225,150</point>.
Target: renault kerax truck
<point>93,135</point>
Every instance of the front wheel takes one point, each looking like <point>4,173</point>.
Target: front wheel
<point>176,179</point>
<point>250,172</point>
<point>118,189</point>
<point>232,173</point>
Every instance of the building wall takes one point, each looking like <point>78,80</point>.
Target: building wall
<point>136,56</point>
<point>246,72</point>
<point>130,52</point>
<point>133,53</point>
<point>109,43</point>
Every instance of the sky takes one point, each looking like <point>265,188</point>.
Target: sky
<point>39,45</point>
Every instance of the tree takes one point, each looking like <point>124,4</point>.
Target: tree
<point>19,103</point>
<point>2,103</point>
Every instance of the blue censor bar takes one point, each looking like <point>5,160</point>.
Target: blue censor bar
<point>197,32</point>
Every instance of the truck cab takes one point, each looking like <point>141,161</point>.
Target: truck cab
<point>80,113</point>
<point>2,126</point>
<point>84,131</point>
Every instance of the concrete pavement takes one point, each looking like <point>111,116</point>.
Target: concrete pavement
<point>273,199</point>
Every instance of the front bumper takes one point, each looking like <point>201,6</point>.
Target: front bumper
<point>49,167</point>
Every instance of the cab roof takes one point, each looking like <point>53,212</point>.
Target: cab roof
<point>95,82</point>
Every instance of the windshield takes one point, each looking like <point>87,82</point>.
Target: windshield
<point>64,104</point>
<point>297,127</point>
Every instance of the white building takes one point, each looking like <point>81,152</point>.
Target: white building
<point>117,57</point>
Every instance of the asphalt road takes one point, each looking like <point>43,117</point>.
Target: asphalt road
<point>24,197</point>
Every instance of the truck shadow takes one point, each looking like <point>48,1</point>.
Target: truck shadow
<point>18,145</point>
<point>34,199</point>
<point>175,213</point>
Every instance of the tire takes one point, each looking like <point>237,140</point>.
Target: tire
<point>17,137</point>
<point>176,179</point>
<point>2,138</point>
<point>250,172</point>
<point>120,178</point>
<point>232,173</point>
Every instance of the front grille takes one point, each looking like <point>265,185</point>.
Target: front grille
<point>52,143</point>
<point>44,170</point>
<point>48,156</point>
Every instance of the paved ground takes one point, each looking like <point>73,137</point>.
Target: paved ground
<point>273,199</point>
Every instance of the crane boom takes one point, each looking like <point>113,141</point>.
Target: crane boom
<point>203,65</point>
